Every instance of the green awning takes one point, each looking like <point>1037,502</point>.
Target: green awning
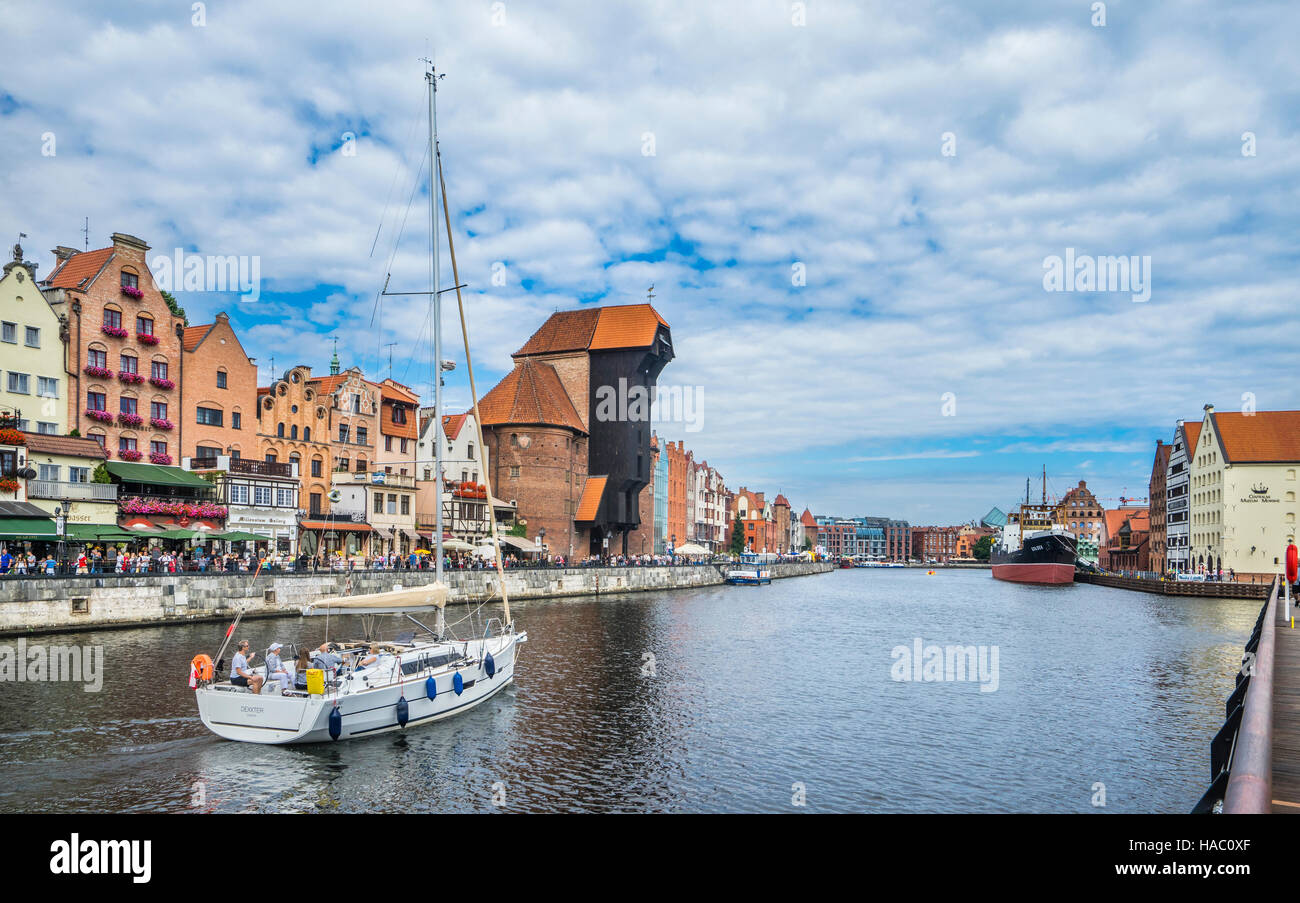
<point>242,536</point>
<point>27,528</point>
<point>157,474</point>
<point>86,532</point>
<point>174,534</point>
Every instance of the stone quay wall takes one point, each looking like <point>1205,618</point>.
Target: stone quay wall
<point>30,605</point>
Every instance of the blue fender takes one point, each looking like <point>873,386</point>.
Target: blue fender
<point>489,666</point>
<point>336,723</point>
<point>458,684</point>
<point>431,688</point>
<point>403,711</point>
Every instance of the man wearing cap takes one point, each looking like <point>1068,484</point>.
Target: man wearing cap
<point>275,669</point>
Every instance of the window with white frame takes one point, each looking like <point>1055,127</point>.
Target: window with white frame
<point>47,429</point>
<point>33,337</point>
<point>262,496</point>
<point>284,498</point>
<point>78,474</point>
<point>239,493</point>
<point>48,472</point>
<point>47,387</point>
<point>19,383</point>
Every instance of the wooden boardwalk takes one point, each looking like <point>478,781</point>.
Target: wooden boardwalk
<point>1286,716</point>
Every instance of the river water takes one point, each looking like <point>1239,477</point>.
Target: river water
<point>734,699</point>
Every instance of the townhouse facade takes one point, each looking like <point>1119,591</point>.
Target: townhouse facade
<point>123,347</point>
<point>33,383</point>
<point>1178,497</point>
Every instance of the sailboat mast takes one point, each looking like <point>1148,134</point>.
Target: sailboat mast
<point>1044,484</point>
<point>434,300</point>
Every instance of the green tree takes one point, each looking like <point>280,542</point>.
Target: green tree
<point>100,475</point>
<point>519,529</point>
<point>737,537</point>
<point>983,548</point>
<point>174,306</point>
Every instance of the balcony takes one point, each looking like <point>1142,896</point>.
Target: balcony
<point>260,468</point>
<point>88,492</point>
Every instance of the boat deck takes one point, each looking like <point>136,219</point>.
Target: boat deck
<point>1286,718</point>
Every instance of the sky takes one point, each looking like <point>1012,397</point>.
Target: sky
<point>848,211</point>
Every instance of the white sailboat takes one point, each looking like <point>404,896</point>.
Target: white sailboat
<point>422,675</point>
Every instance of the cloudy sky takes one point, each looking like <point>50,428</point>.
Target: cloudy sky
<point>845,208</point>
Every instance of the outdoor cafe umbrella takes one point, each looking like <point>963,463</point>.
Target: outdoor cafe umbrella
<point>691,548</point>
<point>457,545</point>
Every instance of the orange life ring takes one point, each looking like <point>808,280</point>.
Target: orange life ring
<point>202,664</point>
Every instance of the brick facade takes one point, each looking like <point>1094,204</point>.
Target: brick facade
<point>217,376</point>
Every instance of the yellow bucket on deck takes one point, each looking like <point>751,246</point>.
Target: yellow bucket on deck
<point>315,681</point>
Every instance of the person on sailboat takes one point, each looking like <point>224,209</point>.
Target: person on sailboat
<point>275,669</point>
<point>240,676</point>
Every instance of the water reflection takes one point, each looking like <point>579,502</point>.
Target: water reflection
<point>718,699</point>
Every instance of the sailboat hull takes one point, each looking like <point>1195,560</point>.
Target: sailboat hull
<point>236,714</point>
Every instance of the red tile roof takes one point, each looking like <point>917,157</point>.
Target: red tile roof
<point>626,326</point>
<point>391,390</point>
<point>80,268</point>
<point>1261,437</point>
<point>1193,431</point>
<point>807,518</point>
<point>589,504</point>
<point>451,424</point>
<point>565,330</point>
<point>530,393</point>
<point>781,500</point>
<point>73,446</point>
<point>595,328</point>
<point>326,385</point>
<point>195,334</point>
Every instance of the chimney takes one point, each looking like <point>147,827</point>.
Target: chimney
<point>122,240</point>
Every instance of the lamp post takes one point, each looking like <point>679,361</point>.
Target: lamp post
<point>61,522</point>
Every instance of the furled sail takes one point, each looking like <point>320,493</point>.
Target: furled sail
<point>398,600</point>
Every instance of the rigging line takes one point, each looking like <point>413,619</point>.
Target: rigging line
<point>436,163</point>
<point>400,232</point>
<point>415,120</point>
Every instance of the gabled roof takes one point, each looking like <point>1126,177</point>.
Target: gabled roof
<point>79,270</point>
<point>451,424</point>
<point>595,329</point>
<point>589,504</point>
<point>72,446</point>
<point>391,390</point>
<point>1259,438</point>
<point>1192,429</point>
<point>193,335</point>
<point>530,393</point>
<point>807,518</point>
<point>781,500</point>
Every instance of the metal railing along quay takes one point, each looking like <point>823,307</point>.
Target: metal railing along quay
<point>1241,753</point>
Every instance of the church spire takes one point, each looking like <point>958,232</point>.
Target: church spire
<point>334,364</point>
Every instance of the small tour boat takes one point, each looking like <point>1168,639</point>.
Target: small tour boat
<point>751,571</point>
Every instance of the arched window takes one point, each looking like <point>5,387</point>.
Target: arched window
<point>279,430</point>
<point>306,433</point>
<point>293,431</point>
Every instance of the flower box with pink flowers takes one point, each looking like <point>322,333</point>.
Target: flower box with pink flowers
<point>101,372</point>
<point>132,292</point>
<point>146,338</point>
<point>162,382</point>
<point>101,416</point>
<point>129,454</point>
<point>130,419</point>
<point>116,332</point>
<point>160,458</point>
<point>138,505</point>
<point>160,424</point>
<point>128,377</point>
